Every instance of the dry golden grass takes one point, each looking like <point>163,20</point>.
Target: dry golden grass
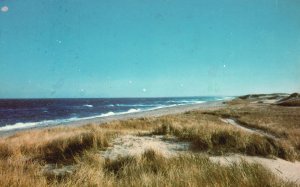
<point>283,122</point>
<point>151,169</point>
<point>23,155</point>
<point>131,125</point>
<point>18,172</point>
<point>55,144</point>
<point>219,139</point>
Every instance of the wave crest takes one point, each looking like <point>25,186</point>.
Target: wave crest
<point>90,106</point>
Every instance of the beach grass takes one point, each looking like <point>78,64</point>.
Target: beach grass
<point>282,122</point>
<point>152,169</point>
<point>219,139</point>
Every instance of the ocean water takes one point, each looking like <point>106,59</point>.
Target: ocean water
<point>28,113</point>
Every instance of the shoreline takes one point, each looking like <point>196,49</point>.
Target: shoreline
<point>148,113</point>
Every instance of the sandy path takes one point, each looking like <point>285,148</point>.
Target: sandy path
<point>289,171</point>
<point>130,145</point>
<point>247,129</point>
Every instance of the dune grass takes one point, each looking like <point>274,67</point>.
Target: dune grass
<point>283,122</point>
<point>152,169</point>
<point>23,155</point>
<point>219,139</point>
<point>54,145</point>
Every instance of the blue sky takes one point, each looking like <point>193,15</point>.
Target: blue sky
<point>143,48</point>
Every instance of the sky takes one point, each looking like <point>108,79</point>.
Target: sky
<point>148,48</point>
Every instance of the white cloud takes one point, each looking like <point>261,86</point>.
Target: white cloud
<point>4,9</point>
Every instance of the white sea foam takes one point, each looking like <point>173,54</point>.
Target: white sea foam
<point>136,105</point>
<point>133,110</point>
<point>107,114</point>
<point>198,102</point>
<point>27,125</point>
<point>18,126</point>
<point>90,106</point>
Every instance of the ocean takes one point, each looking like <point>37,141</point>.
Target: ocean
<point>28,113</point>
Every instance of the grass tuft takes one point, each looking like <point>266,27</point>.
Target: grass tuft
<point>66,149</point>
<point>225,139</point>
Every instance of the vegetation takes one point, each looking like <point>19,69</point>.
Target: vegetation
<point>219,139</point>
<point>282,122</point>
<point>152,169</point>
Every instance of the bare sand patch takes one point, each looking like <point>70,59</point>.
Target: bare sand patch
<point>288,171</point>
<point>131,145</point>
<point>52,170</point>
